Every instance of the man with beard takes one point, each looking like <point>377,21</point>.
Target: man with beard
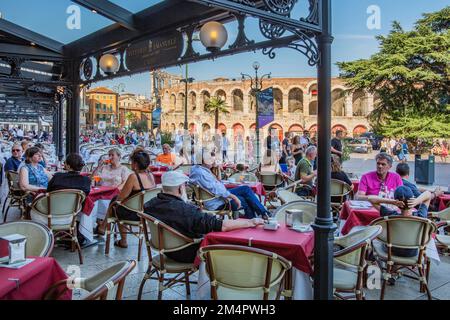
<point>171,207</point>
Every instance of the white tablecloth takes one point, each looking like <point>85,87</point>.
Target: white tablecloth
<point>87,222</point>
<point>302,289</point>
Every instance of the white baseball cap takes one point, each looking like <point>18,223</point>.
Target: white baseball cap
<point>173,179</point>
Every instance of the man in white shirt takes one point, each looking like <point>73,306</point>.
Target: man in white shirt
<point>19,134</point>
<point>304,139</point>
<point>224,146</point>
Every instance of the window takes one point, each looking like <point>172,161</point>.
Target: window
<point>98,117</point>
<point>97,106</point>
<point>104,108</point>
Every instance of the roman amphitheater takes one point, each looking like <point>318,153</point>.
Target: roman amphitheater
<point>295,103</point>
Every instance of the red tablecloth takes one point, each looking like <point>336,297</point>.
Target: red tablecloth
<point>34,280</point>
<point>292,245</point>
<point>257,187</point>
<point>444,201</point>
<point>158,168</point>
<point>357,217</point>
<point>98,193</point>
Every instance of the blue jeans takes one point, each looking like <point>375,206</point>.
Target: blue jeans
<point>249,202</point>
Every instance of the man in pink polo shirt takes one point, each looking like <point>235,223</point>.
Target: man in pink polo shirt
<point>381,182</point>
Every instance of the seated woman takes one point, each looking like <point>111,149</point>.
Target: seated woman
<point>71,179</point>
<point>112,174</point>
<point>32,176</point>
<point>338,174</point>
<point>140,180</point>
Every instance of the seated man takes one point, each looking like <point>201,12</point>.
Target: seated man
<point>13,163</point>
<point>305,172</point>
<point>406,205</point>
<point>167,157</point>
<point>171,207</point>
<point>381,182</point>
<point>403,171</point>
<point>241,197</point>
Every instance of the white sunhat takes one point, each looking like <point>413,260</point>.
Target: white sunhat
<point>173,179</point>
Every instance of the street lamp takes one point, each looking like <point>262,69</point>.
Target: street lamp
<point>256,87</point>
<point>186,80</point>
<point>120,88</point>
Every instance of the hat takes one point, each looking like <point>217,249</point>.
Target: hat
<point>403,193</point>
<point>173,179</point>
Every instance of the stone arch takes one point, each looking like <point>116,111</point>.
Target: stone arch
<point>192,100</point>
<point>313,107</point>
<point>238,100</point>
<point>311,86</point>
<point>338,127</point>
<point>221,93</point>
<point>173,101</point>
<point>295,100</point>
<point>279,129</point>
<point>238,128</point>
<point>277,100</point>
<point>359,130</point>
<point>360,103</point>
<point>181,101</point>
<point>295,128</point>
<point>222,127</point>
<point>337,103</point>
<point>205,96</point>
<point>313,130</point>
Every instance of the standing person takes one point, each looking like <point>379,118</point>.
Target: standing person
<point>249,144</point>
<point>336,144</point>
<point>392,144</point>
<point>240,156</point>
<point>158,139</point>
<point>398,151</point>
<point>304,139</point>
<point>286,148</point>
<point>225,144</point>
<point>444,151</point>
<point>19,133</point>
<point>297,149</point>
<point>268,154</point>
<point>146,139</point>
<point>178,141</point>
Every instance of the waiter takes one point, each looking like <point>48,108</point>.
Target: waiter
<point>336,144</point>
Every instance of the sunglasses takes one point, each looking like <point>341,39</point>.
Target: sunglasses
<point>14,150</point>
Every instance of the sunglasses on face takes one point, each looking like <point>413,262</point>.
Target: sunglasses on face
<point>14,150</point>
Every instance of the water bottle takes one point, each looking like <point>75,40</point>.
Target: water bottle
<point>289,218</point>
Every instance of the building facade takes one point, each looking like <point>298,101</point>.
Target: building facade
<point>295,106</point>
<point>133,108</point>
<point>103,106</point>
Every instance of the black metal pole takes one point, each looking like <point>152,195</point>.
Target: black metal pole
<point>323,226</point>
<point>73,121</point>
<point>60,128</point>
<point>185,104</point>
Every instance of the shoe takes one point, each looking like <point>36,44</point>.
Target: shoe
<point>117,244</point>
<point>97,231</point>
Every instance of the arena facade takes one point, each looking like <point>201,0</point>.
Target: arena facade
<point>295,103</point>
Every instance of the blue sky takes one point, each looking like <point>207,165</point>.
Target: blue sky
<point>353,40</point>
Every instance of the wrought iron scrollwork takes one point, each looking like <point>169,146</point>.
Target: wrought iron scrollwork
<point>283,7</point>
<point>241,39</point>
<point>271,31</point>
<point>190,52</point>
<point>313,16</point>
<point>304,44</point>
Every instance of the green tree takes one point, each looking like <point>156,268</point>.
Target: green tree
<point>130,117</point>
<point>216,106</point>
<point>410,76</point>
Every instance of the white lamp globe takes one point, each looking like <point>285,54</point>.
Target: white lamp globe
<point>213,36</point>
<point>109,64</point>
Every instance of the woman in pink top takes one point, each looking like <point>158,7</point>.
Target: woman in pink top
<point>380,182</point>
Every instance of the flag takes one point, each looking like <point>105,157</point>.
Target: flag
<point>265,107</point>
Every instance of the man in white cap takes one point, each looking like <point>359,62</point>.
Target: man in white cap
<point>171,207</point>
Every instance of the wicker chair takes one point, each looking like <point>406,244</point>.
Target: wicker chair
<point>16,196</point>
<point>244,273</point>
<point>201,195</point>
<point>165,239</point>
<point>309,209</point>
<point>270,181</point>
<point>40,239</point>
<point>59,210</point>
<point>105,285</point>
<point>442,219</point>
<point>350,261</point>
<point>135,203</point>
<point>88,167</point>
<point>340,191</point>
<point>405,233</point>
